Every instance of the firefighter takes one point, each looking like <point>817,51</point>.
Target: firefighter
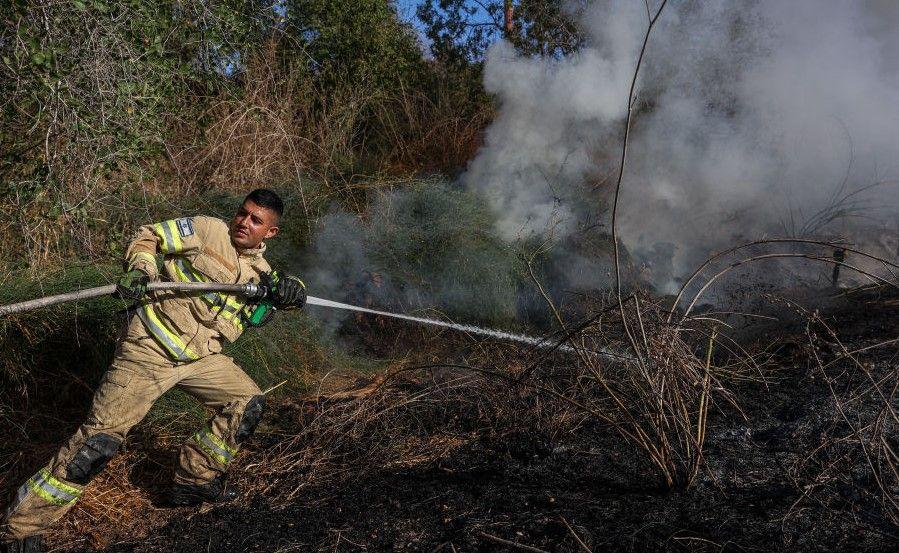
<point>171,339</point>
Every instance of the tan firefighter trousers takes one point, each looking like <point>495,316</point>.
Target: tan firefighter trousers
<point>140,373</point>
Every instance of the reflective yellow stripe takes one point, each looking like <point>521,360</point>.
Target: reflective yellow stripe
<point>214,446</point>
<point>209,450</point>
<point>221,443</point>
<point>185,272</point>
<point>238,323</point>
<point>227,303</point>
<point>230,303</point>
<point>59,484</point>
<point>168,339</point>
<point>170,238</point>
<point>232,309</point>
<point>176,236</point>
<point>51,489</point>
<point>165,243</point>
<point>212,299</point>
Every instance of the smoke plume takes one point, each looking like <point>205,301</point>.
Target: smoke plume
<point>754,118</point>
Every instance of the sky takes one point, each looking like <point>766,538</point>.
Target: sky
<point>406,8</point>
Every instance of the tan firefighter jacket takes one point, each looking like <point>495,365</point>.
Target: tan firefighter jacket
<point>195,249</point>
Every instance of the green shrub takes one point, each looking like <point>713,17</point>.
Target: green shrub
<point>431,246</point>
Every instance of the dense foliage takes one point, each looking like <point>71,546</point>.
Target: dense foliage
<point>110,111</point>
<point>438,244</point>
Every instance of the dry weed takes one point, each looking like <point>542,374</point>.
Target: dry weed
<point>856,457</point>
<point>112,507</point>
<point>412,416</point>
<point>657,395</point>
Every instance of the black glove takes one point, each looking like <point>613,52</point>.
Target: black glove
<point>288,291</point>
<point>132,285</point>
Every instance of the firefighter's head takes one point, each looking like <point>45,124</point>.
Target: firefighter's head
<point>256,219</point>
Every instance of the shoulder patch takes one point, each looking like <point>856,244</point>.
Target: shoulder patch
<point>185,226</point>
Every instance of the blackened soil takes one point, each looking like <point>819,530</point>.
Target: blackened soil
<point>774,481</point>
<point>476,496</point>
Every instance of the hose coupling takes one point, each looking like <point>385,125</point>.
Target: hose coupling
<point>254,291</point>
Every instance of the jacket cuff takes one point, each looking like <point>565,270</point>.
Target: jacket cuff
<point>144,261</point>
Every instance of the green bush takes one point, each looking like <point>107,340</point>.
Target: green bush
<point>438,243</point>
<point>361,41</point>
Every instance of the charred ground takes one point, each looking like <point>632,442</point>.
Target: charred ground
<point>455,457</point>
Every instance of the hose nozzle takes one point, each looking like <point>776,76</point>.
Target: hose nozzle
<point>253,291</point>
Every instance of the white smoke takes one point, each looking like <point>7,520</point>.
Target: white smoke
<point>753,119</point>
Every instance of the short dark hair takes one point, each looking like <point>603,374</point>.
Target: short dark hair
<point>263,197</point>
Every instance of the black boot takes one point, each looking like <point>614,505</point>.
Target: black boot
<point>185,495</point>
<point>31,544</point>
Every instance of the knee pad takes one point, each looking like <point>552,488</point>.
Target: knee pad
<point>252,414</point>
<point>91,458</point>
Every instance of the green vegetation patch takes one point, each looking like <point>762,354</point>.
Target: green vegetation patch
<point>439,244</point>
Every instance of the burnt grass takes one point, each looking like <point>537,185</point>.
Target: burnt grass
<point>777,480</point>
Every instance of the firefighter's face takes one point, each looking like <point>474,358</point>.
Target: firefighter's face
<point>252,224</point>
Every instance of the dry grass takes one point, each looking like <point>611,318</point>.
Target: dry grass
<point>659,402</point>
<point>283,127</point>
<point>658,393</point>
<point>407,416</point>
<point>332,438</point>
<point>113,507</point>
<point>430,132</point>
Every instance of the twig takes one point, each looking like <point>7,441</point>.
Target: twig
<point>576,537</point>
<point>275,387</point>
<point>709,261</point>
<point>810,257</point>
<point>511,543</point>
<point>623,161</point>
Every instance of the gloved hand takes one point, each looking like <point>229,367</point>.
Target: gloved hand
<point>288,291</point>
<point>132,285</point>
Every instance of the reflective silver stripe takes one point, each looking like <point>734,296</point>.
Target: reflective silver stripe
<point>229,308</point>
<point>216,300</point>
<point>177,350</point>
<point>213,299</point>
<point>188,270</point>
<point>170,241</point>
<point>59,496</point>
<point>20,497</point>
<point>204,439</point>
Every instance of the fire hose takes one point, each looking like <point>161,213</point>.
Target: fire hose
<point>251,291</point>
<point>260,293</point>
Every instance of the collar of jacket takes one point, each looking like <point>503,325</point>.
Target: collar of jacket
<point>254,253</point>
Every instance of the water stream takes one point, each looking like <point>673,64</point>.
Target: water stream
<point>500,335</point>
